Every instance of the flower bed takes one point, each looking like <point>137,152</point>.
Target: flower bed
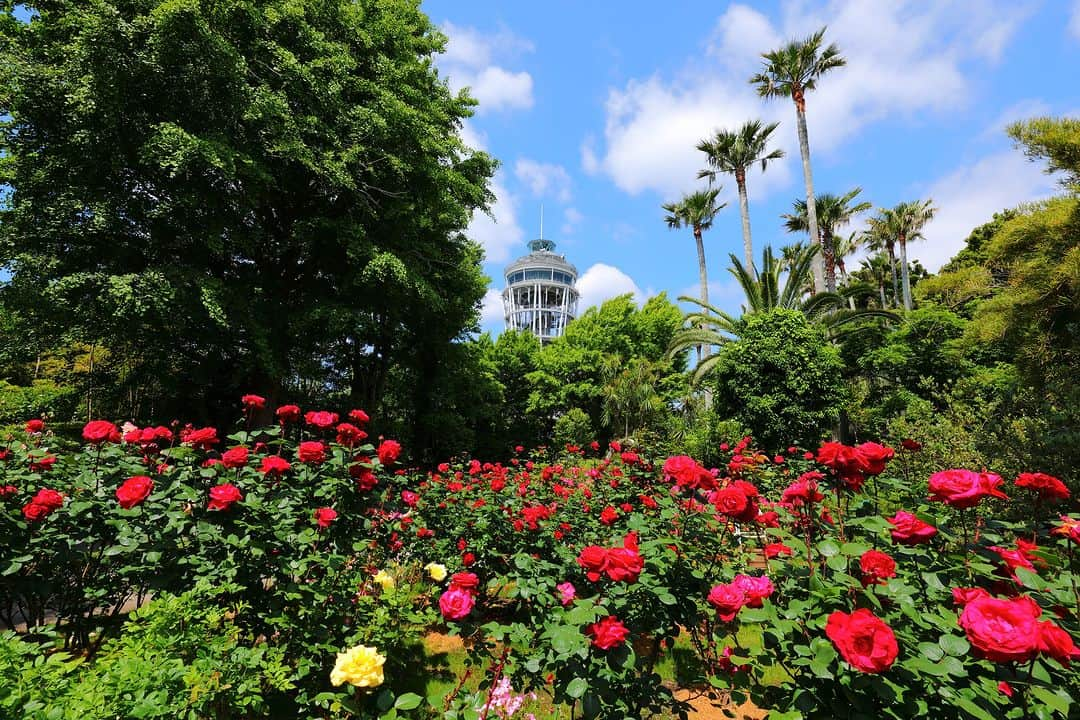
<point>816,583</point>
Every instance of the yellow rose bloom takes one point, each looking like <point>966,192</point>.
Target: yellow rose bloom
<point>386,580</point>
<point>436,571</point>
<point>361,666</point>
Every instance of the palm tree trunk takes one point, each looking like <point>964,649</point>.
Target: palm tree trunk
<point>744,210</point>
<point>881,291</point>
<point>828,252</point>
<point>895,283</point>
<point>808,178</point>
<point>703,274</point>
<point>904,272</point>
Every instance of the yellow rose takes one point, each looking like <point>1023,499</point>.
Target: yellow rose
<point>436,571</point>
<point>361,666</point>
<point>386,580</point>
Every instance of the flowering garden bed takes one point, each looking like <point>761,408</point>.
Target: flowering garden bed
<point>298,568</point>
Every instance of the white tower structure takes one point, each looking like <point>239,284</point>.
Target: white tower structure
<point>540,295</point>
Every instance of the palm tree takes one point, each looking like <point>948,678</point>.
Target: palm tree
<point>845,247</point>
<point>832,212</point>
<point>696,211</point>
<point>905,223</point>
<point>877,238</point>
<point>764,292</point>
<point>733,152</point>
<point>791,71</point>
<point>875,270</point>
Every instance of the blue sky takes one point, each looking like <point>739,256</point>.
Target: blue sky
<point>594,109</point>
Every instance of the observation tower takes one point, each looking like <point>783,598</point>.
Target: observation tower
<point>540,295</point>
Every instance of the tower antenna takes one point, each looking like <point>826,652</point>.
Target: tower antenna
<point>541,221</point>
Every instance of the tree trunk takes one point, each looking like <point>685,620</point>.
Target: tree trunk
<point>808,178</point>
<point>895,283</point>
<point>828,252</point>
<point>704,276</point>
<point>744,210</point>
<point>881,291</point>
<point>904,272</point>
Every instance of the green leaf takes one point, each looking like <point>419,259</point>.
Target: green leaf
<point>1060,700</point>
<point>954,645</point>
<point>577,687</point>
<point>408,701</point>
<point>828,548</point>
<point>931,651</point>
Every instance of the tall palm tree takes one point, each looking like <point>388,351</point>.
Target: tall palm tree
<point>764,292</point>
<point>845,247</point>
<point>791,71</point>
<point>833,211</point>
<point>732,152</point>
<point>696,211</point>
<point>875,271</point>
<point>879,239</point>
<point>905,223</point>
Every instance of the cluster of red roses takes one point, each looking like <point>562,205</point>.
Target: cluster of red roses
<point>619,564</point>
<point>853,464</point>
<point>1009,629</point>
<point>43,503</point>
<point>460,597</point>
<point>743,591</point>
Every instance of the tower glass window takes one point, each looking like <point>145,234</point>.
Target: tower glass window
<point>540,295</point>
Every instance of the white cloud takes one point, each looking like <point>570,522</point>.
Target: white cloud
<point>499,233</point>
<point>472,137</point>
<point>1021,110</point>
<point>571,220</point>
<point>602,282</point>
<point>969,196</point>
<point>544,179</point>
<point>491,309</point>
<point>903,59</point>
<point>471,60</point>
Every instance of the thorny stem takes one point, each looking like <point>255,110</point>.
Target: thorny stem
<point>494,682</point>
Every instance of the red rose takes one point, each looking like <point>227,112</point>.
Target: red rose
<point>274,465</point>
<point>754,589</point>
<point>236,457</point>
<point>962,596</point>
<point>133,491</point>
<point>409,498</point>
<point>389,451</point>
<point>609,515</point>
<point>848,463</point>
<point>48,498</point>
<point>42,464</point>
<point>1047,486</point>
<point>624,564</point>
<point>1057,643</point>
<point>203,438</point>
<point>321,419</point>
<point>99,431</point>
<point>964,488</point>
<point>804,490</point>
<point>776,549</point>
<point>253,402</point>
<point>876,566</point>
<point>863,640</point>
<point>1002,630</point>
<point>685,472</point>
<point>876,456</point>
<point>455,603</point>
<point>911,445</point>
<point>324,516</point>
<point>910,530</point>
<point>608,633</point>
<point>365,478</point>
<point>349,435</point>
<point>35,426</point>
<point>466,581</point>
<point>468,559</point>
<point>732,501</point>
<point>311,452</point>
<point>34,512</point>
<point>594,559</point>
<point>1013,559</point>
<point>728,599</point>
<point>359,416</point>
<point>222,497</point>
<point>288,413</point>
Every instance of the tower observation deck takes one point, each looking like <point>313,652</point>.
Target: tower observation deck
<point>540,295</point>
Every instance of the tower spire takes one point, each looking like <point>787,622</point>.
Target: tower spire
<point>541,221</point>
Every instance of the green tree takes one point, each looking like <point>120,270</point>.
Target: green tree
<point>732,152</point>
<point>781,379</point>
<point>257,195</point>
<point>905,222</point>
<point>697,212</point>
<point>1053,140</point>
<point>879,239</point>
<point>765,293</point>
<point>792,71</point>
<point>833,212</point>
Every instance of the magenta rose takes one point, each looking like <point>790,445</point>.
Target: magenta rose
<point>456,603</point>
